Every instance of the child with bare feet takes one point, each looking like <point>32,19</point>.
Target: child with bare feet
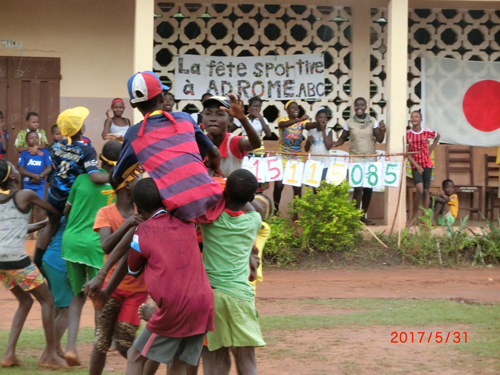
<point>165,249</point>
<point>17,272</point>
<point>446,209</point>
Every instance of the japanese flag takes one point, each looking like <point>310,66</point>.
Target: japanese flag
<point>461,100</point>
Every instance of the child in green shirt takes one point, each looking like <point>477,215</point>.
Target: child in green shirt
<point>33,122</point>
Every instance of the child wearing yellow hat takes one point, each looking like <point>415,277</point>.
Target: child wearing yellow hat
<point>72,158</point>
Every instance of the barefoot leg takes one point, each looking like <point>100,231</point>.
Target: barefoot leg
<point>46,299</point>
<point>61,324</point>
<point>75,313</point>
<point>25,303</point>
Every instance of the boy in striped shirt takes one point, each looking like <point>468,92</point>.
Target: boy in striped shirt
<point>170,147</point>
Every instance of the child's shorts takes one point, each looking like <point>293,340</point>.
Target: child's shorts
<point>424,178</point>
<point>443,221</point>
<point>164,349</point>
<point>59,285</point>
<point>57,203</point>
<point>236,323</point>
<point>27,278</point>
<point>129,305</point>
<point>79,274</point>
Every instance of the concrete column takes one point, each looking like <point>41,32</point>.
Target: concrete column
<point>143,40</point>
<point>360,57</point>
<point>397,67</point>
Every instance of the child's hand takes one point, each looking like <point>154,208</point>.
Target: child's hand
<point>114,137</point>
<point>34,150</point>
<point>134,220</point>
<point>310,139</point>
<point>305,118</point>
<point>237,109</point>
<point>254,112</point>
<point>36,179</point>
<point>420,169</point>
<point>213,158</point>
<point>93,286</point>
<point>110,113</point>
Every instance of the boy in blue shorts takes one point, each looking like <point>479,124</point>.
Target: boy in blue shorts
<point>72,158</point>
<point>227,249</point>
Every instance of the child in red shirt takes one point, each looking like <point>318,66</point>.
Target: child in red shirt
<point>165,248</point>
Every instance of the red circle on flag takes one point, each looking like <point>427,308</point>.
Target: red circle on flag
<point>481,105</point>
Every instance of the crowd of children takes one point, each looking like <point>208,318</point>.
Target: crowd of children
<point>119,233</point>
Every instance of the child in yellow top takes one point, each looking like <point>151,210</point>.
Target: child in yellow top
<point>446,209</point>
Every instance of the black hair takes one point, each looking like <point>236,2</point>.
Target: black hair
<point>205,94</point>
<point>53,128</point>
<point>447,181</point>
<point>417,111</point>
<point>111,150</point>
<point>241,186</point>
<point>254,99</point>
<point>4,167</point>
<point>165,93</point>
<point>149,105</point>
<point>146,195</point>
<point>28,133</point>
<point>361,98</point>
<point>112,182</point>
<point>31,114</point>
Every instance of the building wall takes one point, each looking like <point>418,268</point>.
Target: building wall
<point>93,39</point>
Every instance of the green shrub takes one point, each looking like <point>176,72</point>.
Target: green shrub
<point>281,248</point>
<point>329,220</point>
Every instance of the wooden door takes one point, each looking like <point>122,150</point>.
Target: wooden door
<point>29,84</point>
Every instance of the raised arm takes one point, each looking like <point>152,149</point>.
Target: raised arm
<point>379,132</point>
<point>107,123</point>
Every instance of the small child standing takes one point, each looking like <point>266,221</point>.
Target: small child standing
<point>33,122</point>
<point>417,139</point>
<point>165,249</point>
<point>446,209</point>
<point>17,272</point>
<point>290,141</point>
<point>227,247</point>
<point>318,141</point>
<point>35,167</point>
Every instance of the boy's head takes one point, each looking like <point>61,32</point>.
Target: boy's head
<point>110,154</point>
<point>323,115</point>
<point>168,101</point>
<point>70,121</point>
<point>147,197</point>
<point>145,91</point>
<point>33,121</point>
<point>206,96</point>
<point>8,173</point>
<point>448,187</point>
<point>415,118</point>
<point>56,133</point>
<point>360,106</point>
<point>241,186</point>
<point>32,139</point>
<point>216,120</point>
<point>118,107</point>
<point>292,109</point>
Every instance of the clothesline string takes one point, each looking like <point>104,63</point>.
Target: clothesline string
<point>405,154</point>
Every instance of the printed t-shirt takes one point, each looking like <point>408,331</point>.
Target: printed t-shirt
<point>2,150</point>
<point>453,205</point>
<point>420,142</point>
<point>166,248</point>
<point>256,124</point>
<point>110,217</point>
<point>227,245</point>
<point>34,164</point>
<point>81,244</point>
<point>318,146</point>
<point>71,161</point>
<point>53,254</point>
<point>170,152</point>
<point>231,156</point>
<point>21,137</point>
<point>290,137</point>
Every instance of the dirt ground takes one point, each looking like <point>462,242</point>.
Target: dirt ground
<point>340,351</point>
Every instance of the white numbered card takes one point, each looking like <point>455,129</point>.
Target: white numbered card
<point>356,174</point>
<point>313,171</point>
<point>257,166</point>
<point>336,173</point>
<point>293,173</point>
<point>274,169</point>
<point>392,173</point>
<point>372,175</point>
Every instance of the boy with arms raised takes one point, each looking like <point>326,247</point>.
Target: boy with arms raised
<point>165,249</point>
<point>227,246</point>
